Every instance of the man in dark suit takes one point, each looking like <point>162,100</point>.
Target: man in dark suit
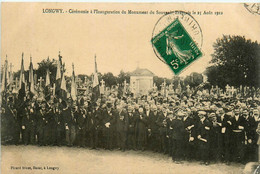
<point>223,134</point>
<point>154,129</point>
<point>238,135</point>
<point>188,126</point>
<point>52,126</point>
<point>110,124</point>
<point>26,128</point>
<point>66,114</point>
<point>59,125</point>
<point>41,121</point>
<point>33,120</point>
<point>131,139</point>
<point>162,124</point>
<point>73,126</point>
<point>192,130</point>
<point>91,128</point>
<point>169,132</point>
<point>15,126</point>
<point>178,136</point>
<point>203,131</point>
<point>99,125</point>
<point>81,118</point>
<point>251,135</point>
<point>148,114</point>
<point>10,126</point>
<point>122,123</point>
<point>213,140</point>
<point>141,129</point>
<point>70,126</point>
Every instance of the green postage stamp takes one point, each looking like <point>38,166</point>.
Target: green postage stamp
<point>174,44</point>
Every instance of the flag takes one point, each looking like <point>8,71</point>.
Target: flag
<point>95,77</point>
<point>16,85</point>
<point>31,79</point>
<point>4,80</point>
<point>35,79</point>
<point>73,91</point>
<point>58,73</point>
<point>53,89</point>
<point>11,80</point>
<point>7,73</point>
<point>63,91</point>
<point>63,83</point>
<point>60,60</point>
<point>47,88</point>
<point>22,87</point>
<point>21,92</point>
<point>95,86</point>
<point>22,79</point>
<point>47,80</point>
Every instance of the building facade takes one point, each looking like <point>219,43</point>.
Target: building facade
<point>141,81</point>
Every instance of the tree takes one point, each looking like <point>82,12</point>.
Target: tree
<point>43,66</point>
<point>193,80</point>
<point>158,81</point>
<point>123,76</point>
<point>235,61</point>
<point>110,79</point>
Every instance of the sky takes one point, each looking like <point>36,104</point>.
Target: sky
<point>120,42</point>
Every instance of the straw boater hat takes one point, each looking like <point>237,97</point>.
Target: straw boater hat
<point>202,113</point>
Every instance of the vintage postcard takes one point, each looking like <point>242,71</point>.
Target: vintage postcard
<point>130,88</point>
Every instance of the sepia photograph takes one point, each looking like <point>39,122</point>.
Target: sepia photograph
<point>115,88</point>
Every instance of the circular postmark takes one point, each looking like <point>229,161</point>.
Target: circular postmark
<point>177,39</point>
<point>253,8</point>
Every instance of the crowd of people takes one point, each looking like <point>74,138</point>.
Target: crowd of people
<point>204,128</point>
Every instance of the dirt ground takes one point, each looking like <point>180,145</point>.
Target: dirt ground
<point>73,160</point>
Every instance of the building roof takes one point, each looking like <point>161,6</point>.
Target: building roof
<point>141,72</point>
